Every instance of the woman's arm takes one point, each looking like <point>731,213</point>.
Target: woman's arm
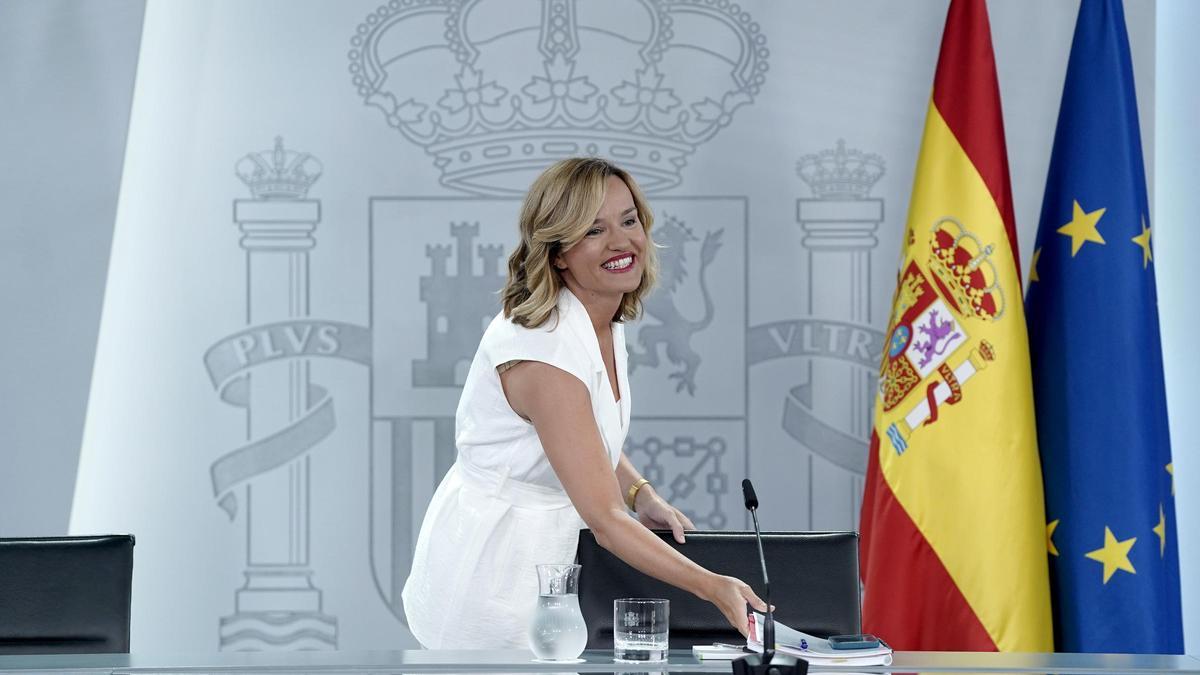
<point>559,407</point>
<point>627,475</point>
<point>652,510</point>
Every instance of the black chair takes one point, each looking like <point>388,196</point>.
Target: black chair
<point>814,584</point>
<point>65,595</point>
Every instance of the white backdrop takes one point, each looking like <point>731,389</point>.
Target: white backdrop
<point>1178,74</point>
<point>275,380</point>
<point>66,70</point>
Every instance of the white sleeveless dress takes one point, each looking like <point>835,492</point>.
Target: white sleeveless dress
<point>500,509</point>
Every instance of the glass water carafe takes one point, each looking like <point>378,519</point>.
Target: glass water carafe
<point>557,631</point>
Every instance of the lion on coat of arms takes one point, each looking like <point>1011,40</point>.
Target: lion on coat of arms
<point>673,331</point>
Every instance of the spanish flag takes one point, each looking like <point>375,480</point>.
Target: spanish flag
<point>953,529</point>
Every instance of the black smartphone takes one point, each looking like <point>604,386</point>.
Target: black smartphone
<point>857,641</point>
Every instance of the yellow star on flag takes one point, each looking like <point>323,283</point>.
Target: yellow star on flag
<point>1082,227</point>
<point>1143,240</point>
<point>1037,253</point>
<point>1161,530</point>
<point>1114,555</point>
<point>1050,527</point>
<point>1171,470</point>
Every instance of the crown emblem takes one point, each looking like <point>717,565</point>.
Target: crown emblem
<point>278,173</point>
<point>963,270</point>
<point>630,87</point>
<point>840,173</point>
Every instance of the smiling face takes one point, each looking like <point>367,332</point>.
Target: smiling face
<point>607,263</point>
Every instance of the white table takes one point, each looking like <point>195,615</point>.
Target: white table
<point>483,661</point>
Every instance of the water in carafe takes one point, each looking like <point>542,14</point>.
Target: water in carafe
<point>557,631</point>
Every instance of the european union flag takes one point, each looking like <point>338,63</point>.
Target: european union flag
<point>1097,365</point>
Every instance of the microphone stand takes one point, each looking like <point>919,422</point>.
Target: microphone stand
<point>769,662</point>
<point>768,627</point>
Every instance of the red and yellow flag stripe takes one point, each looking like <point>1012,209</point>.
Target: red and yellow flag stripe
<point>953,547</point>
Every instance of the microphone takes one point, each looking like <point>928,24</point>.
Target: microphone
<point>749,495</point>
<point>769,663</point>
<point>768,627</point>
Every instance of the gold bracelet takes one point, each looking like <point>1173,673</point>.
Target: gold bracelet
<point>631,495</point>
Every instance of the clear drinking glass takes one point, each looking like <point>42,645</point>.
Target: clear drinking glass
<point>640,629</point>
<point>557,632</point>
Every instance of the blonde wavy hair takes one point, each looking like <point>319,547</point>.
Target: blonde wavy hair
<point>559,209</point>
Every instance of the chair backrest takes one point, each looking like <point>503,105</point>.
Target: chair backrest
<point>814,583</point>
<point>62,595</point>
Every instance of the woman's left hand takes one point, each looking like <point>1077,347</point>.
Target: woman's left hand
<point>654,512</point>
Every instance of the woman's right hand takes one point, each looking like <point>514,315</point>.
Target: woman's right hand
<point>730,595</point>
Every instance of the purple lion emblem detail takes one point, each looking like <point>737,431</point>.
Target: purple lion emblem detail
<point>939,334</point>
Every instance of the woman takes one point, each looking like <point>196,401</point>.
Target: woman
<point>541,423</point>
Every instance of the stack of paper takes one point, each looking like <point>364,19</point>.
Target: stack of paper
<point>718,652</point>
<point>816,650</point>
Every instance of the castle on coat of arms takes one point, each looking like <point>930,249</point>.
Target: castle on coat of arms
<point>458,307</point>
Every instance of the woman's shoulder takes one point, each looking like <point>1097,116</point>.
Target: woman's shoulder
<point>505,328</point>
<point>552,342</point>
<point>504,332</point>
